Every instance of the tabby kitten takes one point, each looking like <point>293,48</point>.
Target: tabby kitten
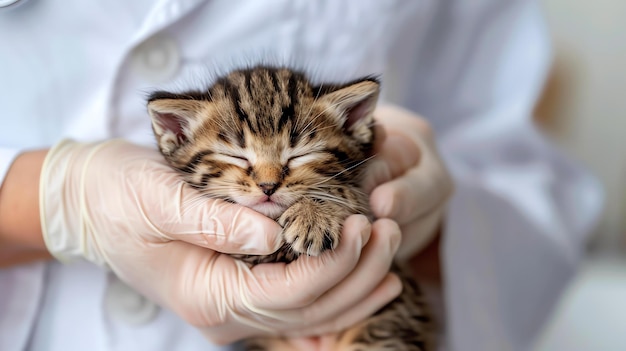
<point>268,139</point>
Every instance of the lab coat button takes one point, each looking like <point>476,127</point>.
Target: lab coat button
<point>156,60</point>
<point>126,305</point>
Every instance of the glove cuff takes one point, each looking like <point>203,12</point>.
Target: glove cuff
<point>61,202</point>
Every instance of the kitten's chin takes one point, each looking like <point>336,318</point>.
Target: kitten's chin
<point>270,209</point>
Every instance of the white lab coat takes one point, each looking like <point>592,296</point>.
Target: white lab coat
<point>516,225</point>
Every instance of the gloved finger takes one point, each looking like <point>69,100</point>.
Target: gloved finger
<point>201,286</point>
<point>197,284</point>
<point>176,277</point>
<point>389,288</point>
<point>221,226</point>
<point>417,192</point>
<point>395,155</point>
<point>380,135</point>
<point>373,267</point>
<point>307,278</point>
<point>398,119</point>
<point>417,234</point>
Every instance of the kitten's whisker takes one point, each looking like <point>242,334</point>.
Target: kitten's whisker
<point>320,129</point>
<point>326,187</point>
<point>317,95</point>
<point>325,191</point>
<point>346,170</point>
<point>338,200</point>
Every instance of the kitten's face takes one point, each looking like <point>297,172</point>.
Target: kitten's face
<point>264,138</point>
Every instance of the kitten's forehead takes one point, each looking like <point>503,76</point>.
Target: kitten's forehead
<point>264,99</point>
<point>269,110</point>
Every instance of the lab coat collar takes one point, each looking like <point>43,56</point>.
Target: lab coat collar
<point>163,14</point>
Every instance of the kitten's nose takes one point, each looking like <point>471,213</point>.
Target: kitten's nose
<point>268,188</point>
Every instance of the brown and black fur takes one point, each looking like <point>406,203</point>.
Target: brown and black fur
<point>266,133</point>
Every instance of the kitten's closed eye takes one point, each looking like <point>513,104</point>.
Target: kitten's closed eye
<point>238,161</point>
<point>299,160</point>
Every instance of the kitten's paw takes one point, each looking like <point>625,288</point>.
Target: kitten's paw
<point>310,232</point>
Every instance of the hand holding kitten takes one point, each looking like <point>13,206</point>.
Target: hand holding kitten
<point>408,181</point>
<point>119,205</point>
<point>269,139</point>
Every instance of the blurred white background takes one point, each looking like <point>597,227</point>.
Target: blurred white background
<point>585,104</point>
<point>584,109</point>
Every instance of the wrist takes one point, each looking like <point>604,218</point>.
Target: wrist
<point>13,256</point>
<point>20,225</point>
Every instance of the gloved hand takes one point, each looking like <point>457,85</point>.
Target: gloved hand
<point>119,205</point>
<point>407,180</point>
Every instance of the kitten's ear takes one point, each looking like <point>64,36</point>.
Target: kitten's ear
<point>174,121</point>
<point>353,105</point>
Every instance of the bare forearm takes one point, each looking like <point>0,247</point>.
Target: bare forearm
<point>20,226</point>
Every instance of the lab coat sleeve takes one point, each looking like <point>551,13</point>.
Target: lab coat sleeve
<point>21,291</point>
<point>518,222</point>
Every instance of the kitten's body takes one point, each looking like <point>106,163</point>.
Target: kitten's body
<point>268,139</point>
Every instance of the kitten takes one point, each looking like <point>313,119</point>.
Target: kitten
<point>268,139</point>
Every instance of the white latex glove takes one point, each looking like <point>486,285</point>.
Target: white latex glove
<point>119,205</point>
<point>407,180</point>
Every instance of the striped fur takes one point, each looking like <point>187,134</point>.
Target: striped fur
<point>268,139</point>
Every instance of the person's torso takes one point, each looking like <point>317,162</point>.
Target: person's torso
<point>71,69</point>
